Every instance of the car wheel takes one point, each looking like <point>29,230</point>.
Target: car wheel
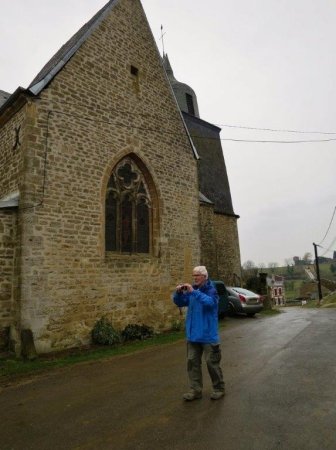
<point>231,311</point>
<point>251,314</point>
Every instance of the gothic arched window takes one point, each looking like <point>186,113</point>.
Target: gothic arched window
<point>128,210</point>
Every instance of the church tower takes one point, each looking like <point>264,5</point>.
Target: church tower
<point>185,96</point>
<point>219,232</point>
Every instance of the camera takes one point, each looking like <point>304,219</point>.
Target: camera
<point>184,288</point>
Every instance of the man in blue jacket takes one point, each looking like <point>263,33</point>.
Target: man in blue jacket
<point>201,298</point>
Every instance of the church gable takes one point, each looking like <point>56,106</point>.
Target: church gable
<point>106,151</point>
<point>113,58</point>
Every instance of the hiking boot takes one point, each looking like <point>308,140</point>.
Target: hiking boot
<point>190,396</point>
<point>216,395</point>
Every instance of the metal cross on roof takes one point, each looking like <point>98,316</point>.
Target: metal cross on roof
<point>161,39</point>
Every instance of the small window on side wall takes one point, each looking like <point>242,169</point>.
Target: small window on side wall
<point>190,104</point>
<point>134,71</point>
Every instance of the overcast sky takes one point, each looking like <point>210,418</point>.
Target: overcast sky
<point>253,63</point>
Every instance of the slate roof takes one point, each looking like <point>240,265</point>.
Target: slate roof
<point>212,174</point>
<point>4,96</point>
<point>57,62</point>
<point>10,201</point>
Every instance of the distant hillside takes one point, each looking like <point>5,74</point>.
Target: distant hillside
<point>294,272</point>
<point>297,281</point>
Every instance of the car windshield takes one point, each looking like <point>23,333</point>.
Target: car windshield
<point>244,291</point>
<point>220,288</point>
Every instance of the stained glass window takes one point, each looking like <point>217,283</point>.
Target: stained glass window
<point>142,227</point>
<point>126,225</point>
<point>127,210</point>
<point>111,222</point>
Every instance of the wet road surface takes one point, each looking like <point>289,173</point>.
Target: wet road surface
<point>280,374</point>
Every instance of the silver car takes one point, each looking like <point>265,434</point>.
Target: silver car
<point>244,301</point>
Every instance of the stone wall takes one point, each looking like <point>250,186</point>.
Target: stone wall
<point>220,246</point>
<point>93,113</point>
<point>11,151</point>
<point>228,251</point>
<point>208,240</point>
<point>7,252</point>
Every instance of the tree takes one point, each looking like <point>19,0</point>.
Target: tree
<point>249,269</point>
<point>249,265</point>
<point>289,262</point>
<point>272,266</point>
<point>333,268</point>
<point>290,269</point>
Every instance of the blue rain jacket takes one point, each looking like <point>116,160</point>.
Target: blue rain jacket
<point>202,315</point>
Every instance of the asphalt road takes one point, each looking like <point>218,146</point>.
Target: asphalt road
<point>280,374</point>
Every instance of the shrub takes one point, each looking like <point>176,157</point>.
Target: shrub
<point>177,325</point>
<point>136,332</point>
<point>103,333</point>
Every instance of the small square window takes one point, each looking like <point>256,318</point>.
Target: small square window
<point>134,71</point>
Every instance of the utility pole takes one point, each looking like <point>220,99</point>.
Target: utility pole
<point>318,274</point>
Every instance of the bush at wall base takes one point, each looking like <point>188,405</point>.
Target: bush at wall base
<point>103,333</point>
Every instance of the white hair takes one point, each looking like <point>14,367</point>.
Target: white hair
<point>201,270</point>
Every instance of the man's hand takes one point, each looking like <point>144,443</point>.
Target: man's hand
<point>185,287</point>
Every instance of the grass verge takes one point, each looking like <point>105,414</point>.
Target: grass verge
<point>329,301</point>
<point>12,368</point>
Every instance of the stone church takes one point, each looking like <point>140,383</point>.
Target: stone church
<point>111,189</point>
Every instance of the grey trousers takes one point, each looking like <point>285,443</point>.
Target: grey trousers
<point>212,355</point>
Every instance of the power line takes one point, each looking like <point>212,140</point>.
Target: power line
<point>162,131</point>
<point>330,246</point>
<point>279,130</point>
<point>332,218</point>
<point>272,142</point>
